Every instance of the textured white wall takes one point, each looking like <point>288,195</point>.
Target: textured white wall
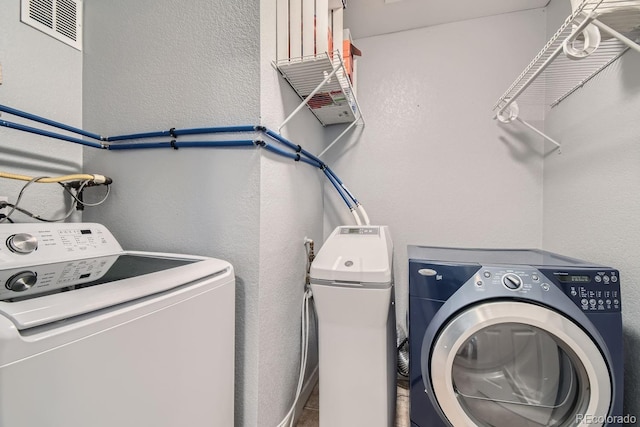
<point>291,208</point>
<point>591,198</point>
<point>431,163</point>
<point>153,65</point>
<point>42,76</point>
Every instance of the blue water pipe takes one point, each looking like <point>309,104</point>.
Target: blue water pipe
<point>145,135</point>
<point>300,154</point>
<point>218,129</point>
<point>181,144</point>
<point>291,145</point>
<point>49,134</point>
<point>337,187</point>
<point>326,169</point>
<point>283,153</point>
<point>178,132</point>
<point>42,120</point>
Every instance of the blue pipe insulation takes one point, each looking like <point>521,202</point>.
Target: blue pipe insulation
<point>42,120</point>
<point>138,136</point>
<point>297,148</point>
<point>291,145</point>
<point>314,161</point>
<point>344,187</point>
<point>49,134</point>
<point>338,188</point>
<point>218,129</point>
<point>288,155</point>
<point>300,153</point>
<point>177,132</point>
<point>185,144</point>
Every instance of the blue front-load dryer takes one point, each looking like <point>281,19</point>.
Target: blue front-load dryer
<point>513,338</point>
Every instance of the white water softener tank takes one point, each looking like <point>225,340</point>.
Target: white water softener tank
<point>352,285</point>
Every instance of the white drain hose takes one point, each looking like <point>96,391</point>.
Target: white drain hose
<point>304,348</point>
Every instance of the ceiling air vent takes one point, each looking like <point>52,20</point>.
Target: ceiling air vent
<point>61,19</point>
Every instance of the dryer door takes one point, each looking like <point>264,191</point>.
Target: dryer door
<point>517,364</point>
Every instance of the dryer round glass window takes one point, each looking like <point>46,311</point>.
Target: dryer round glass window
<point>516,364</point>
<point>518,375</point>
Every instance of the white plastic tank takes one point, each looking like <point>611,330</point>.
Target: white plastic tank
<point>352,285</point>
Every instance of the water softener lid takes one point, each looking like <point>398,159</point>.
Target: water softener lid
<point>360,254</point>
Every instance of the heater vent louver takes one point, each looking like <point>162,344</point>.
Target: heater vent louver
<point>61,19</point>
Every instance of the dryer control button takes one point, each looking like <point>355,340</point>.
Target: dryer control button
<point>512,281</point>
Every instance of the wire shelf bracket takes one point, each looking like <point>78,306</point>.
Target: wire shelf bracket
<point>324,87</point>
<point>582,48</point>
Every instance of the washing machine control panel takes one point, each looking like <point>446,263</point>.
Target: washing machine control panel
<point>37,258</point>
<point>35,280</point>
<point>26,245</point>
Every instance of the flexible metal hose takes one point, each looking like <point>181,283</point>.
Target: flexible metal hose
<point>403,352</point>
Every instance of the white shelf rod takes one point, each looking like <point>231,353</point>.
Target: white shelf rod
<point>342,134</point>
<point>586,79</point>
<point>624,39</point>
<point>543,67</point>
<point>533,128</point>
<point>311,95</point>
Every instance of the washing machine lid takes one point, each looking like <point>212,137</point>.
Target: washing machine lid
<point>56,271</point>
<point>530,257</point>
<point>124,278</point>
<point>356,254</point>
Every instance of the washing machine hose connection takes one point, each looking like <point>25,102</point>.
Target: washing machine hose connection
<point>304,350</point>
<point>304,338</point>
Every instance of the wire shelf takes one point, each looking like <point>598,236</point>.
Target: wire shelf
<point>553,75</point>
<point>322,76</point>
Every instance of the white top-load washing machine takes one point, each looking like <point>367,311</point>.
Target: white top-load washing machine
<point>92,335</point>
<point>352,285</point>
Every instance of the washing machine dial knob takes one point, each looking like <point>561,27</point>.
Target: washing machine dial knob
<point>22,281</point>
<point>512,281</point>
<point>22,243</point>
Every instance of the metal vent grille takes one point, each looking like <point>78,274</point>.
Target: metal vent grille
<point>61,19</point>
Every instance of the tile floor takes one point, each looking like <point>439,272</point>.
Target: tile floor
<point>310,414</point>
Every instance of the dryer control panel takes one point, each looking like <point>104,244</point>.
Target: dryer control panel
<point>591,290</point>
<point>437,273</point>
